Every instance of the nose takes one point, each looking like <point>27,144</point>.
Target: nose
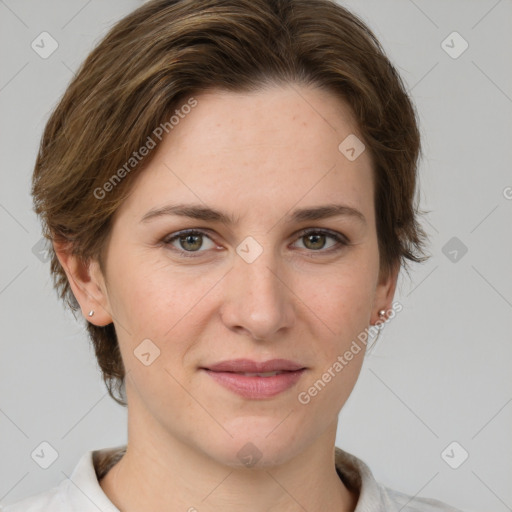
<point>258,298</point>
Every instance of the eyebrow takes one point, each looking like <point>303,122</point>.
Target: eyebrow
<point>200,212</point>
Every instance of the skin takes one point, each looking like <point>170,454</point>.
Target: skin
<point>257,156</point>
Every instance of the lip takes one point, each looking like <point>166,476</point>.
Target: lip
<point>229,375</point>
<point>250,366</point>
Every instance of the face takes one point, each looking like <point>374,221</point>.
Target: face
<point>263,283</point>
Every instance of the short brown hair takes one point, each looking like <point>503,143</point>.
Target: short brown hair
<point>167,50</point>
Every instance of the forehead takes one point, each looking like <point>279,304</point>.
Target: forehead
<point>271,149</point>
<point>274,116</point>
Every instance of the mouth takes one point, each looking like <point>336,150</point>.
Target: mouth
<point>261,374</point>
<point>256,380</point>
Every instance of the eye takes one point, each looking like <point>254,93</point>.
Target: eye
<point>191,241</point>
<point>315,240</point>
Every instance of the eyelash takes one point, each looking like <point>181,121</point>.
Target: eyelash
<point>341,240</point>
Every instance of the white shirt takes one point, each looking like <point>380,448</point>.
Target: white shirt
<point>83,493</point>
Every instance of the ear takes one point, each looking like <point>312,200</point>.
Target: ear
<point>384,293</point>
<point>87,283</point>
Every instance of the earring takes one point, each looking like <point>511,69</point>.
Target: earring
<point>91,312</point>
<point>382,313</point>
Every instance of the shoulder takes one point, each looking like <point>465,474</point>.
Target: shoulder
<point>407,503</point>
<point>50,500</point>
<point>81,492</point>
<point>374,497</point>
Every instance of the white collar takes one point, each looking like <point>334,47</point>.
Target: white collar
<point>81,492</point>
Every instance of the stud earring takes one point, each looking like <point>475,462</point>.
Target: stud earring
<point>382,313</point>
<point>91,312</point>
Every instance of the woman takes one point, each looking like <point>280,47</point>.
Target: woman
<point>229,190</point>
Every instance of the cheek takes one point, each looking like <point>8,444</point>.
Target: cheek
<point>145,293</point>
<point>341,309</point>
<point>343,298</point>
<point>161,304</point>
<point>344,310</point>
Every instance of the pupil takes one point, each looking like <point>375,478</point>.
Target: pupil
<point>187,238</point>
<point>317,237</point>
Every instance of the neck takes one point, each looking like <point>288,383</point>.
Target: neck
<point>160,472</point>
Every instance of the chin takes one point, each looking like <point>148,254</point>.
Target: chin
<point>258,444</point>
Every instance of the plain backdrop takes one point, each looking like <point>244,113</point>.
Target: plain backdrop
<point>440,373</point>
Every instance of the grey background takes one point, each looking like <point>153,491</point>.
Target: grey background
<point>441,369</point>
